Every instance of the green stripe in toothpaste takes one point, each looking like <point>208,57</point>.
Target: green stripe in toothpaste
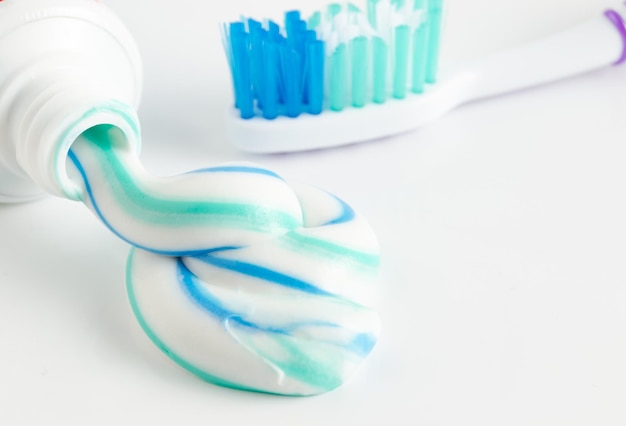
<point>165,211</point>
<point>330,251</point>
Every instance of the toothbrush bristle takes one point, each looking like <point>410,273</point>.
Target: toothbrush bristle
<point>341,57</point>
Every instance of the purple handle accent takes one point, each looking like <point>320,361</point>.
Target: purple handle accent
<point>619,23</point>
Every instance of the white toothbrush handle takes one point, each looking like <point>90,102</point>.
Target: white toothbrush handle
<point>594,44</point>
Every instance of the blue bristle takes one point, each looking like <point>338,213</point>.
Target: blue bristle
<point>281,43</point>
<point>308,38</point>
<point>295,29</point>
<point>273,29</point>
<point>234,28</point>
<point>315,86</point>
<point>244,98</point>
<point>254,25</point>
<point>291,22</point>
<point>257,37</point>
<point>292,71</point>
<point>300,35</point>
<point>276,39</point>
<point>270,80</point>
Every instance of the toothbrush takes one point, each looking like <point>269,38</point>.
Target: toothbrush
<point>348,75</point>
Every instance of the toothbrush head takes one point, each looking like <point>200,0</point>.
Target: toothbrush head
<point>342,59</point>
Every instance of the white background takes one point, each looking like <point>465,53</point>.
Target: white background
<point>502,225</point>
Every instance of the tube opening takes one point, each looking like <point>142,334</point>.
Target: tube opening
<point>116,126</point>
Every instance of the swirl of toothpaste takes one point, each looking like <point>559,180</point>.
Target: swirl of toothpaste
<point>240,278</point>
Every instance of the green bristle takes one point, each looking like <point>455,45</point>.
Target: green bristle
<point>434,18</point>
<point>397,3</point>
<point>338,76</point>
<point>420,56</point>
<point>419,4</point>
<point>334,9</point>
<point>400,61</point>
<point>380,53</point>
<point>359,70</point>
<point>371,12</point>
<point>353,8</point>
<point>314,21</point>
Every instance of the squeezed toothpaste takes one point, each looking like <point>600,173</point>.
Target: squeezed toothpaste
<point>241,278</point>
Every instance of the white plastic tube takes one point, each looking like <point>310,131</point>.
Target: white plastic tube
<point>67,65</point>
